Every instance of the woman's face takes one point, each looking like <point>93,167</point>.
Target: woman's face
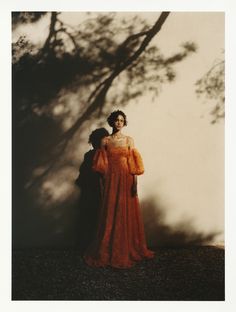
<point>119,122</point>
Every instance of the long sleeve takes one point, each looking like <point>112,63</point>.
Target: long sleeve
<point>100,162</point>
<point>135,162</point>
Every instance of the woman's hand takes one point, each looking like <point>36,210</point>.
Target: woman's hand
<point>134,187</point>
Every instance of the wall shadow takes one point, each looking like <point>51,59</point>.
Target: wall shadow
<point>91,189</point>
<point>68,222</point>
<point>44,82</point>
<point>160,234</point>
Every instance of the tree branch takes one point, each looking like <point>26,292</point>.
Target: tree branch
<point>101,90</point>
<point>51,31</point>
<point>107,82</point>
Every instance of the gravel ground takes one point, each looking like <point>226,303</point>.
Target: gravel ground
<point>190,273</point>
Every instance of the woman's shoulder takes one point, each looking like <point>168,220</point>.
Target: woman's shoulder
<point>130,140</point>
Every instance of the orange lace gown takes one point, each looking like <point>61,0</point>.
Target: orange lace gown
<point>120,239</point>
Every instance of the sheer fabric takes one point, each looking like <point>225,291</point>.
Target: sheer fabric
<point>120,239</point>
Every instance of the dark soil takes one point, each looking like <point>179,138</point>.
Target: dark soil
<point>189,273</point>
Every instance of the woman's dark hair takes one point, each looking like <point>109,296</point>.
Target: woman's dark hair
<point>113,116</point>
<point>96,137</point>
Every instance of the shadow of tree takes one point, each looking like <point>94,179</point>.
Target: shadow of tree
<point>212,87</point>
<point>160,234</point>
<point>20,17</point>
<point>90,68</point>
<point>75,77</point>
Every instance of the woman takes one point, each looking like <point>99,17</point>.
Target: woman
<point>120,239</point>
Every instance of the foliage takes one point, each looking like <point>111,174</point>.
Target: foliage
<point>19,18</point>
<point>86,57</point>
<point>104,60</point>
<point>212,86</point>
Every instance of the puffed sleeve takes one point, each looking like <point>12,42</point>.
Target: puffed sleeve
<point>135,162</point>
<point>100,161</point>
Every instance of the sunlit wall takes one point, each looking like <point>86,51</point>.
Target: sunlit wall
<point>182,189</point>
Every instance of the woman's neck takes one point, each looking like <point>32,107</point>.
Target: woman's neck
<point>116,133</point>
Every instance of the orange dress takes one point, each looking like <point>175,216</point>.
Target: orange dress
<point>120,239</point>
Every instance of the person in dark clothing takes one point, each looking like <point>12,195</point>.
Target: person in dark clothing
<point>91,187</point>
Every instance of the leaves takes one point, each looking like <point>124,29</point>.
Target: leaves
<point>100,63</point>
<point>212,86</point>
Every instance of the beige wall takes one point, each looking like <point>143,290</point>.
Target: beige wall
<point>182,151</point>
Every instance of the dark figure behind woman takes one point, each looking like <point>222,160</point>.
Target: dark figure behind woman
<point>90,185</point>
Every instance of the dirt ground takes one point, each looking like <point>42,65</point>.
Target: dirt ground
<point>188,273</point>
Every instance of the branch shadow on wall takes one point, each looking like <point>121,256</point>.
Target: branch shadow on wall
<point>51,85</point>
